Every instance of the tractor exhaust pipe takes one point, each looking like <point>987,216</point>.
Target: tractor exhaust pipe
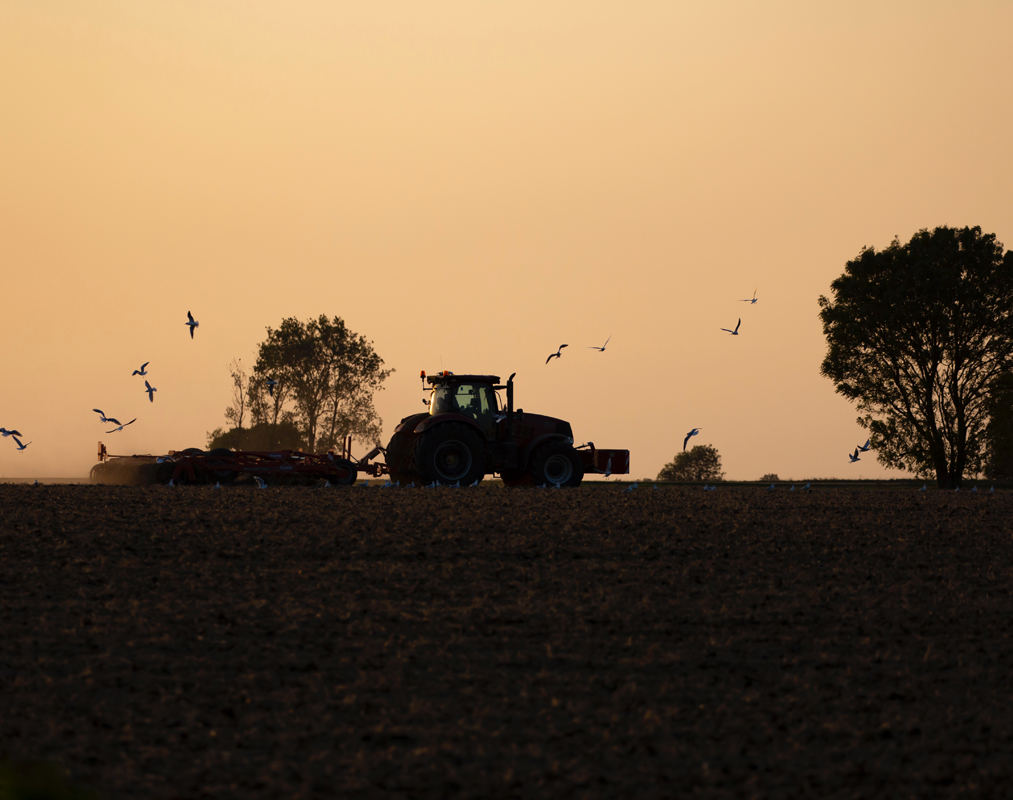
<point>510,408</point>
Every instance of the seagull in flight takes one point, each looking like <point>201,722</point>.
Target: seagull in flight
<point>271,383</point>
<point>150,390</point>
<point>854,456</point>
<point>608,467</point>
<point>121,427</point>
<point>557,354</point>
<point>104,418</point>
<point>21,447</point>
<point>602,348</point>
<point>500,417</point>
<point>5,433</point>
<point>142,371</point>
<point>736,331</point>
<point>689,436</point>
<point>752,301</point>
<point>192,323</point>
<point>864,448</point>
<point>261,483</point>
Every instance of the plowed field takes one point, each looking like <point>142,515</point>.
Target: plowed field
<point>490,642</point>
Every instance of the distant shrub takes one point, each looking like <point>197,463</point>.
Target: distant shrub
<point>770,476</point>
<point>701,463</point>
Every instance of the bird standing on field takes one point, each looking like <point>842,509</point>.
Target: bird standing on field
<point>192,323</point>
<point>557,354</point>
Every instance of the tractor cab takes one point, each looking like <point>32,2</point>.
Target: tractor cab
<point>471,396</point>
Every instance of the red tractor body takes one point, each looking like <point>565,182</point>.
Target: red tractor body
<point>467,434</point>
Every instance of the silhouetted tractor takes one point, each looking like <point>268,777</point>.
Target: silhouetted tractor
<point>466,435</point>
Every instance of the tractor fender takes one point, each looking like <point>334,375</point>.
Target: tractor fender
<point>533,445</point>
<point>430,422</point>
<point>411,421</point>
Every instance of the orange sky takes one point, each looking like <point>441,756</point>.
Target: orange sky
<point>470,184</point>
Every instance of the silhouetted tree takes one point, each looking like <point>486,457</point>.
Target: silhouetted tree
<point>999,432</point>
<point>260,437</point>
<point>699,463</point>
<point>918,334</point>
<point>239,409</point>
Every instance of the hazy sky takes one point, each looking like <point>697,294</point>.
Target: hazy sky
<point>469,184</point>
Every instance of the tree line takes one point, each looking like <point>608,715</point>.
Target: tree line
<point>311,386</point>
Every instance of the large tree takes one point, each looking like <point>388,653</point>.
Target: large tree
<point>917,335</point>
<point>700,463</point>
<point>326,377</point>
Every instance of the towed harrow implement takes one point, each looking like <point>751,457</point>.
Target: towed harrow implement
<point>279,467</point>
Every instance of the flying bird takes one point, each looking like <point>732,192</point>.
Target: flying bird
<point>121,427</point>
<point>630,488</point>
<point>736,331</point>
<point>150,390</point>
<point>192,323</point>
<point>752,301</point>
<point>854,456</point>
<point>104,418</point>
<point>261,483</point>
<point>689,435</point>
<point>21,447</point>
<point>500,417</point>
<point>271,383</point>
<point>557,354</point>
<point>608,467</point>
<point>602,348</point>
<point>142,371</point>
<point>5,433</point>
<point>864,448</point>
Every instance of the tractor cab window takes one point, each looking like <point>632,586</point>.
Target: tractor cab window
<point>477,401</point>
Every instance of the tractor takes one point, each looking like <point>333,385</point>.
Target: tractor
<point>466,435</point>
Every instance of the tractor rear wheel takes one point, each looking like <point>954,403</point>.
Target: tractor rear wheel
<point>400,457</point>
<point>556,462</point>
<point>451,453</point>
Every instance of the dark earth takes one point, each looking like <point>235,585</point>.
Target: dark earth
<point>491,642</point>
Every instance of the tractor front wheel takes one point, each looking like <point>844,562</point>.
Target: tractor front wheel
<point>556,462</point>
<point>451,454</point>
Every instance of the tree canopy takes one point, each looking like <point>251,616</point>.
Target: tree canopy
<point>326,377</point>
<point>699,463</point>
<point>918,334</point>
